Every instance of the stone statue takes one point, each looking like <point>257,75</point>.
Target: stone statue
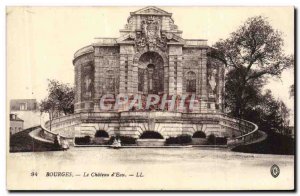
<point>212,80</point>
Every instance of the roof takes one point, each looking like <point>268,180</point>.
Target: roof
<point>151,10</point>
<point>14,119</point>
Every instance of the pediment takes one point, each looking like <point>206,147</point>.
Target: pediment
<point>126,38</point>
<point>175,39</point>
<point>151,10</point>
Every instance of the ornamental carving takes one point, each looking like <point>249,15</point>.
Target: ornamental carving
<point>151,36</point>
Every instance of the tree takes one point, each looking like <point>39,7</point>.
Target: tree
<point>59,100</point>
<point>269,114</point>
<point>292,90</point>
<point>251,96</point>
<point>254,52</point>
<point>48,105</point>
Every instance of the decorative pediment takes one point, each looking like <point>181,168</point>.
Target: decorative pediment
<point>151,10</point>
<point>130,37</point>
<point>172,38</point>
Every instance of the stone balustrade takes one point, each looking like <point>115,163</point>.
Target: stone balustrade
<point>196,42</point>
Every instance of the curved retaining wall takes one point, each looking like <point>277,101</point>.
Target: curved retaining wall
<point>135,123</point>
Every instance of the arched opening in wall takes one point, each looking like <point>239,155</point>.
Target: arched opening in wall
<point>110,82</point>
<point>101,133</point>
<point>190,82</point>
<point>199,134</point>
<point>151,73</point>
<point>151,135</point>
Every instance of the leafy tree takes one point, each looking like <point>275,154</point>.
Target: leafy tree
<point>269,114</point>
<point>59,100</point>
<point>251,96</point>
<point>254,52</point>
<point>292,90</point>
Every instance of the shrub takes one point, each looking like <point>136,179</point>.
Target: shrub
<point>151,135</point>
<point>199,134</point>
<point>101,133</point>
<point>221,140</point>
<point>83,140</point>
<point>181,139</point>
<point>211,139</point>
<point>125,140</point>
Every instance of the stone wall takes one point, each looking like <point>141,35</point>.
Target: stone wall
<point>84,82</point>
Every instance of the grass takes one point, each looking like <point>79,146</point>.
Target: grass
<point>22,142</point>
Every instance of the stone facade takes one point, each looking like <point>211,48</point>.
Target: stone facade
<point>149,57</point>
<point>16,124</point>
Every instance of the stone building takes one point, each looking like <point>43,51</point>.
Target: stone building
<point>16,124</point>
<point>149,57</point>
<point>23,105</point>
<point>27,110</point>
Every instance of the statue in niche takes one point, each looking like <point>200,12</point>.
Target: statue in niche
<point>212,80</point>
<point>87,86</point>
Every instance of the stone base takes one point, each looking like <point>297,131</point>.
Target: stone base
<point>100,140</point>
<point>199,141</point>
<point>150,142</point>
<point>134,124</point>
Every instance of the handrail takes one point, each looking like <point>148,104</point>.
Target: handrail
<point>249,133</point>
<point>50,132</point>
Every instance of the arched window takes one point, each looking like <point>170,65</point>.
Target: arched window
<point>191,82</point>
<point>110,82</point>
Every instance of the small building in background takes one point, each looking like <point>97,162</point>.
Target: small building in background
<point>23,105</point>
<point>26,109</point>
<point>16,124</point>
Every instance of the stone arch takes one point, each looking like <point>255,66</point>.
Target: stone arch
<point>101,133</point>
<point>151,135</point>
<point>162,54</point>
<point>151,72</point>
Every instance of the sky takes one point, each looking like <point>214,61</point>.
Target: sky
<point>41,41</point>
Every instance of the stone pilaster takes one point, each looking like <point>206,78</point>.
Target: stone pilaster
<point>123,63</point>
<point>127,69</point>
<point>204,78</point>
<point>175,69</point>
<point>166,78</point>
<point>172,82</point>
<point>179,75</point>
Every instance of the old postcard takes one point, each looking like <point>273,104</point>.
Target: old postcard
<point>150,98</point>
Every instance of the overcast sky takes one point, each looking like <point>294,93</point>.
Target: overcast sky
<point>41,41</point>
